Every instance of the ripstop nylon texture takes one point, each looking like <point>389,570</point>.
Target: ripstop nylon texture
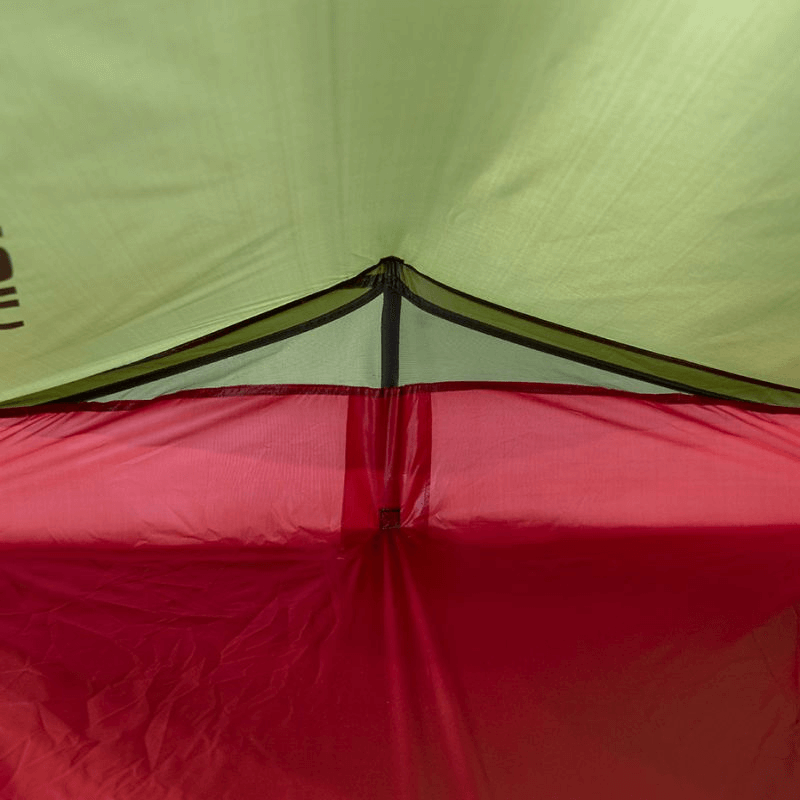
<point>624,168</point>
<point>556,593</point>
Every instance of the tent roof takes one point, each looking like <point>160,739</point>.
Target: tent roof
<point>625,169</point>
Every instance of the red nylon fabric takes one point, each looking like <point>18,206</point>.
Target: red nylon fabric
<point>243,469</point>
<point>388,463</point>
<point>581,595</point>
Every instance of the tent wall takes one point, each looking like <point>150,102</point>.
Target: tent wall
<point>529,592</point>
<point>625,168</point>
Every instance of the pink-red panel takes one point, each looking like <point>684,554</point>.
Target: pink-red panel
<point>249,468</point>
<point>436,592</point>
<point>576,464</point>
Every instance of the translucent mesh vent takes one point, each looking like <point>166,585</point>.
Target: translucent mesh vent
<point>347,352</point>
<point>344,352</point>
<point>433,349</point>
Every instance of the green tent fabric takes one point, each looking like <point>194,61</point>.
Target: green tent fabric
<point>625,169</point>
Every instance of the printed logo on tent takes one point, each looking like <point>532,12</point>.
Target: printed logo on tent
<point>6,301</point>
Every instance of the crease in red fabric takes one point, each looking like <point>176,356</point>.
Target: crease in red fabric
<point>386,496</point>
<point>387,463</point>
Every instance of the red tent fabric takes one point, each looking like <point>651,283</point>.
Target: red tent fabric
<point>470,591</point>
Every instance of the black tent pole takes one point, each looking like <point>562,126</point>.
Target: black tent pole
<point>390,326</point>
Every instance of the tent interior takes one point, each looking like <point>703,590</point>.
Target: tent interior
<point>400,400</point>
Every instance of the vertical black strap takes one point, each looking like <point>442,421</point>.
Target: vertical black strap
<point>390,327</point>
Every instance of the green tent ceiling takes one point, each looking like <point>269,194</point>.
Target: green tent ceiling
<point>629,169</point>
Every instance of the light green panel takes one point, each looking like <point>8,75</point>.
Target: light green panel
<point>624,168</point>
<point>648,189</point>
<point>345,352</point>
<point>433,350</point>
<point>168,169</point>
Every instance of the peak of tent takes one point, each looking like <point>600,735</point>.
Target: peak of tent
<point>393,326</point>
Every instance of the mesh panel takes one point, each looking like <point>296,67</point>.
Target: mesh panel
<point>343,352</point>
<point>432,350</point>
<point>347,352</point>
